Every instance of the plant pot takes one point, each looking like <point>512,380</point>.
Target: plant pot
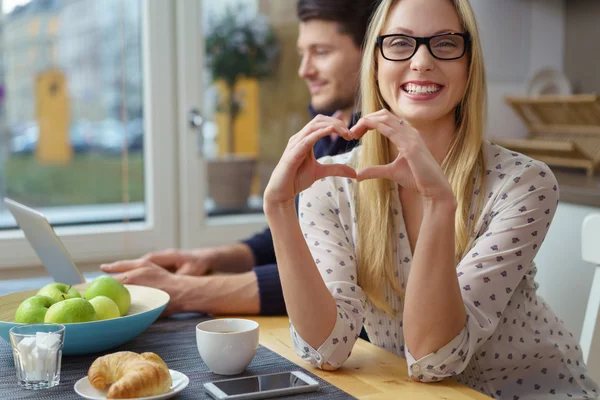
<point>230,180</point>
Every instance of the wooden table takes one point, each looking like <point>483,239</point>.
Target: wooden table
<point>370,373</point>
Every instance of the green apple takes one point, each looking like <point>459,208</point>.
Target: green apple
<point>71,311</point>
<point>105,308</point>
<point>113,289</point>
<point>59,292</point>
<point>33,310</point>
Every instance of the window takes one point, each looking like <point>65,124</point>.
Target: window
<point>250,107</point>
<point>87,94</point>
<point>72,110</point>
<point>122,171</point>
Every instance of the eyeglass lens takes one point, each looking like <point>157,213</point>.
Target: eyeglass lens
<point>403,47</point>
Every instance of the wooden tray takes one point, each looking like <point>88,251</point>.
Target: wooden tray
<point>562,130</point>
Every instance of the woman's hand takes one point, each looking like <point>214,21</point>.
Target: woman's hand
<point>298,168</point>
<point>414,167</point>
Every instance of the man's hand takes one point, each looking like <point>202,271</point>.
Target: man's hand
<point>149,274</point>
<point>182,262</point>
<point>235,294</point>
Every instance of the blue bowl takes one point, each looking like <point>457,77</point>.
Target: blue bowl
<point>91,337</point>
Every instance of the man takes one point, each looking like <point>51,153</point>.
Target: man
<point>330,38</point>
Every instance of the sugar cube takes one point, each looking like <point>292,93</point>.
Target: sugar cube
<point>26,345</point>
<point>47,339</point>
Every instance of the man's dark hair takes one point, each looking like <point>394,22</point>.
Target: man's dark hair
<point>352,16</point>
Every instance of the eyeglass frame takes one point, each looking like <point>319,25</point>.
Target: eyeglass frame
<point>425,40</point>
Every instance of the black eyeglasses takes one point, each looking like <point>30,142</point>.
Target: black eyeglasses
<point>447,46</point>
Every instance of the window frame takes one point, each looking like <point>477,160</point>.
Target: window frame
<point>106,242</point>
<point>175,174</point>
<point>197,229</point>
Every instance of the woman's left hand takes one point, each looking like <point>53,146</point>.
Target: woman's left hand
<point>415,167</point>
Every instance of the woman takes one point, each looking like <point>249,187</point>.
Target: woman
<point>431,244</point>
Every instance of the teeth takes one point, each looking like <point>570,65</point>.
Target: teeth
<point>418,89</point>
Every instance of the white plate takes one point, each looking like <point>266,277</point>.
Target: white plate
<point>548,81</point>
<point>84,388</point>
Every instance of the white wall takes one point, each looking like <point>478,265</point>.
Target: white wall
<point>565,279</point>
<point>548,27</point>
<point>518,37</point>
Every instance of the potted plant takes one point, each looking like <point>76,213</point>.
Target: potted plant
<point>236,47</point>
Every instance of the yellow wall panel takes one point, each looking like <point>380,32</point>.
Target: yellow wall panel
<point>247,122</point>
<point>52,114</point>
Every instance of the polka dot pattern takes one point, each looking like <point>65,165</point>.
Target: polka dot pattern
<point>512,346</point>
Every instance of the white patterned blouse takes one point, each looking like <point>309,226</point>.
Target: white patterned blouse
<point>512,345</point>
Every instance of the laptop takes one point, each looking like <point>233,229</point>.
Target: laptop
<point>46,243</point>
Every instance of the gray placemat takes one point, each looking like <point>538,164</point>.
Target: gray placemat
<point>174,339</point>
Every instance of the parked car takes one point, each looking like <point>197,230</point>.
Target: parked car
<point>25,142</point>
<point>19,128</point>
<point>81,135</point>
<point>111,136</point>
<point>135,133</point>
<point>107,137</point>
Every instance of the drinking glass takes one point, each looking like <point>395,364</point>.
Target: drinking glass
<point>37,352</point>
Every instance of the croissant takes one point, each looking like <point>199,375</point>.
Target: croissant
<point>130,375</point>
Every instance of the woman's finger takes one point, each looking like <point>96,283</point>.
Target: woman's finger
<point>376,172</point>
<point>341,127</point>
<point>376,123</point>
<point>315,125</point>
<point>296,154</point>
<point>325,170</point>
<point>335,119</point>
<point>309,141</point>
<point>360,128</point>
<point>384,116</point>
<point>321,121</point>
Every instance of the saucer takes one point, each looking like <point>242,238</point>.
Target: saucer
<point>84,388</point>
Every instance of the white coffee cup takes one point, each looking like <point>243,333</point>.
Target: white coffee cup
<point>227,346</point>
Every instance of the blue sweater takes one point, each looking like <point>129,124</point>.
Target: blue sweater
<point>269,285</point>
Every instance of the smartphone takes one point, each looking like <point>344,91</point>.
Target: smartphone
<point>262,386</point>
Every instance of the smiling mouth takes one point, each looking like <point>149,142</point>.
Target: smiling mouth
<point>315,87</point>
<point>412,88</point>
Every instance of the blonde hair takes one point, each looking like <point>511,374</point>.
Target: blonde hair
<point>376,265</point>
